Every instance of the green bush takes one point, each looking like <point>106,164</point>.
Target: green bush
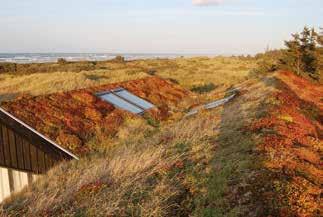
<point>61,61</point>
<point>8,67</point>
<point>151,120</point>
<point>119,59</point>
<point>152,72</point>
<point>302,54</point>
<point>203,88</point>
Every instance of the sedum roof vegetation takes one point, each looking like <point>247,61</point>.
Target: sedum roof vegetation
<point>73,118</point>
<point>259,155</point>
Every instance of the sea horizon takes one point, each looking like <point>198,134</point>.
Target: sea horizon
<point>53,57</point>
<point>70,56</point>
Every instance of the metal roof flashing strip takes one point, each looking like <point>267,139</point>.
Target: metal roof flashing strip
<point>39,134</point>
<point>210,105</point>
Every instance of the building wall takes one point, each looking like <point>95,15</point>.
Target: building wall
<point>13,181</point>
<point>4,184</point>
<point>16,152</point>
<point>24,152</point>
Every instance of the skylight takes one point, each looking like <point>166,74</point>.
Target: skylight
<point>123,99</point>
<point>120,103</point>
<point>134,99</point>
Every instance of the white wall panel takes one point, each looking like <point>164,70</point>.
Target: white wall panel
<point>4,184</point>
<point>19,181</point>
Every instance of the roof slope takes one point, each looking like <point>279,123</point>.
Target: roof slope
<point>72,118</point>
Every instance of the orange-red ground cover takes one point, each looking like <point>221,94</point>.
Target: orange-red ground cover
<point>73,118</point>
<point>292,142</point>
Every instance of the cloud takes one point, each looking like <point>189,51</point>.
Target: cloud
<point>207,2</point>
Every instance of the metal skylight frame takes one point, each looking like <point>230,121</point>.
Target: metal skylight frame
<point>133,101</point>
<point>121,103</point>
<point>127,95</point>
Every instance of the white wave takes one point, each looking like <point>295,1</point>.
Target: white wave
<point>52,57</point>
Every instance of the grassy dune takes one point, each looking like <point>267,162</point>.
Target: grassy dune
<point>179,169</point>
<point>236,160</point>
<point>188,72</point>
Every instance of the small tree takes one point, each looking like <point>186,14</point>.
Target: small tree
<point>292,56</point>
<point>308,51</point>
<point>301,55</point>
<point>320,51</point>
<point>320,37</point>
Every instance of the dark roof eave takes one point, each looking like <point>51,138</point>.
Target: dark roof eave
<point>6,116</point>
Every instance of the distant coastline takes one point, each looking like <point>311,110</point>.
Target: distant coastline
<point>52,57</point>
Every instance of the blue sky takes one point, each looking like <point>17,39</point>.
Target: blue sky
<point>153,26</point>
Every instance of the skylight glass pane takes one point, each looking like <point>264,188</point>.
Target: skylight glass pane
<point>120,103</point>
<point>134,99</point>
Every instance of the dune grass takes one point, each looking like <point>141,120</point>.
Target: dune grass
<point>188,72</point>
<point>197,166</point>
<point>214,164</point>
<point>147,170</point>
<point>190,167</point>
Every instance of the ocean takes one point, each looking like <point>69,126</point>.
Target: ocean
<point>52,57</point>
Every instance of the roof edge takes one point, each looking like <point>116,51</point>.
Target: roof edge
<point>39,134</point>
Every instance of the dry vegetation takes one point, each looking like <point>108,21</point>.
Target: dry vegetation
<point>218,163</point>
<point>179,169</point>
<point>74,118</point>
<point>188,72</point>
<point>291,140</point>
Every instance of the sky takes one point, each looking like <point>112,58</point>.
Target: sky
<point>153,26</point>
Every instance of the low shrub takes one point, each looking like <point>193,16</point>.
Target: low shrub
<point>173,80</point>
<point>61,61</point>
<point>119,59</point>
<point>8,67</point>
<point>152,72</point>
<point>205,88</point>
